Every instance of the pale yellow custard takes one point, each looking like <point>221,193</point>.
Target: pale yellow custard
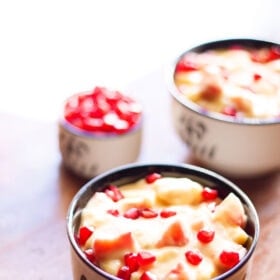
<point>163,228</point>
<point>237,82</point>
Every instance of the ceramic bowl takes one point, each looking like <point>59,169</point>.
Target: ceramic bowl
<point>235,147</point>
<point>83,269</point>
<point>87,151</point>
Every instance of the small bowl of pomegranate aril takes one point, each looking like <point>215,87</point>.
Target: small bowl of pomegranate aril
<point>161,221</point>
<point>99,130</point>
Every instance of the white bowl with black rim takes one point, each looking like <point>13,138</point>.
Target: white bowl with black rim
<point>84,269</point>
<point>232,145</point>
<point>99,130</point>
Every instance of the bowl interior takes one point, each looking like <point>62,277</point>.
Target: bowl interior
<point>133,172</point>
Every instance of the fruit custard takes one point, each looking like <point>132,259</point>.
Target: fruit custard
<point>237,82</point>
<point>163,228</point>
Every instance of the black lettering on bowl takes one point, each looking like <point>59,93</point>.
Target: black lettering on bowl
<point>193,133</point>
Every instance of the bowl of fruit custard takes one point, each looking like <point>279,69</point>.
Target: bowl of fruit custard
<point>159,221</point>
<point>226,105</point>
<point>99,129</point>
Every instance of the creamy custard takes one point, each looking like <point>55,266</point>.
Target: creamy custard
<point>163,228</point>
<point>237,82</point>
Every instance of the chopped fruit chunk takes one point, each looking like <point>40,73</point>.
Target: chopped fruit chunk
<point>116,245</point>
<point>193,258</point>
<point>211,91</point>
<point>173,236</point>
<point>152,177</point>
<point>231,211</point>
<point>176,191</point>
<point>229,258</point>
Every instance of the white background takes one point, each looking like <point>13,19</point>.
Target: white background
<point>52,49</point>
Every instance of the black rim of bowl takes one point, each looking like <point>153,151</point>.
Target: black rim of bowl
<point>212,45</point>
<point>132,172</point>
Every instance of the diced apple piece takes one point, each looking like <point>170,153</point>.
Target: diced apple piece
<point>237,234</point>
<point>177,191</point>
<point>180,272</point>
<point>113,246</point>
<point>110,265</point>
<point>231,211</point>
<point>136,202</point>
<point>173,236</point>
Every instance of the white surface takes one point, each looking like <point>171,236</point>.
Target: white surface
<point>52,49</point>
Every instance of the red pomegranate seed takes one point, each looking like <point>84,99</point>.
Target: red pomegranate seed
<point>185,65</point>
<point>152,177</point>
<point>148,213</point>
<point>114,193</point>
<point>193,258</point>
<point>114,212</point>
<point>257,77</point>
<point>90,255</point>
<point>205,236</point>
<point>147,275</point>
<point>131,261</point>
<point>229,258</point>
<point>124,273</point>
<point>84,234</point>
<point>167,213</point>
<point>145,258</point>
<point>229,111</point>
<point>209,194</point>
<point>132,213</point>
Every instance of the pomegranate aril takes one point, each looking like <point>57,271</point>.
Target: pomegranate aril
<point>205,236</point>
<point>113,212</point>
<point>145,258</point>
<point>114,193</point>
<point>193,258</point>
<point>147,275</point>
<point>84,234</point>
<point>152,177</point>
<point>229,258</point>
<point>131,261</point>
<point>132,213</point>
<point>167,213</point>
<point>257,77</point>
<point>229,111</point>
<point>90,255</point>
<point>184,66</point>
<point>209,194</point>
<point>148,213</point>
<point>124,273</point>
